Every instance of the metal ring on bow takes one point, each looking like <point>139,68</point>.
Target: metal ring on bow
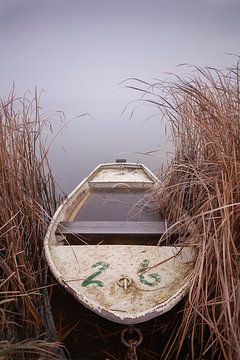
<point>124,282</point>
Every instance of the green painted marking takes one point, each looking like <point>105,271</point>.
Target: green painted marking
<point>89,280</point>
<point>142,268</point>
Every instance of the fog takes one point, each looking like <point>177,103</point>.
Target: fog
<point>80,52</point>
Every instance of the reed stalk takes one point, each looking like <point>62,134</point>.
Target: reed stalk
<point>27,200</point>
<point>200,190</point>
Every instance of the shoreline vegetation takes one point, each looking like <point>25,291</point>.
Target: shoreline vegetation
<point>27,201</point>
<point>199,191</point>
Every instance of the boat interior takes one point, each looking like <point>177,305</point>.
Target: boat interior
<point>115,216</point>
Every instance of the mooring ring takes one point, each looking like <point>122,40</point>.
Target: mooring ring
<point>124,282</point>
<point>131,330</point>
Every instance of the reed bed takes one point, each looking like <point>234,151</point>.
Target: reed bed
<point>200,191</point>
<point>27,200</point>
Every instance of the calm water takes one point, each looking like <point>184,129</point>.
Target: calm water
<point>82,53</point>
<point>95,338</point>
<point>87,142</point>
<point>119,205</point>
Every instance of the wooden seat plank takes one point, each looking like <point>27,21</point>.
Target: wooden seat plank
<point>111,227</point>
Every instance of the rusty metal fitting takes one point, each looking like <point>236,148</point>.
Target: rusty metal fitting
<point>124,282</point>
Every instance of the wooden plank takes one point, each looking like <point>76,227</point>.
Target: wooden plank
<point>92,273</point>
<point>112,227</point>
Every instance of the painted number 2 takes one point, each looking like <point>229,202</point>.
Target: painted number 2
<point>153,279</point>
<point>89,280</point>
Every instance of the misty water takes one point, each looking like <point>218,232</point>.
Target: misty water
<point>86,142</point>
<point>81,54</point>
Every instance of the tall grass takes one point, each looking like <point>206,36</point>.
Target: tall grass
<point>27,200</point>
<point>200,190</point>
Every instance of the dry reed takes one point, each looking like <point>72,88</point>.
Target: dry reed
<point>200,190</point>
<point>27,200</point>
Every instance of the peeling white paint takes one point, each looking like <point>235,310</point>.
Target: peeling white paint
<point>152,291</point>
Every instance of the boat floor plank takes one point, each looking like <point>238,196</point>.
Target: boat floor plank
<point>112,227</point>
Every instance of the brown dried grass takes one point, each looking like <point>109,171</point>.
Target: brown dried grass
<point>200,190</point>
<point>27,200</point>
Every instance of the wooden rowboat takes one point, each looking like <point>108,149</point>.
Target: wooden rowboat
<point>101,246</point>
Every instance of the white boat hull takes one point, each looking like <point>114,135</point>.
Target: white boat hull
<point>126,284</point>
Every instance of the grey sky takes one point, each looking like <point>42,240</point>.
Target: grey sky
<point>79,52</point>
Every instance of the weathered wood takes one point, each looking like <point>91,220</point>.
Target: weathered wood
<point>94,272</point>
<point>111,227</point>
<point>117,250</point>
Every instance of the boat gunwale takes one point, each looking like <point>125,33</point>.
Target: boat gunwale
<point>136,318</point>
<point>53,224</point>
<point>114,316</point>
<point>110,315</point>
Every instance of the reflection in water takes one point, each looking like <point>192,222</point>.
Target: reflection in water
<point>83,146</point>
<point>88,336</point>
<point>119,205</point>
